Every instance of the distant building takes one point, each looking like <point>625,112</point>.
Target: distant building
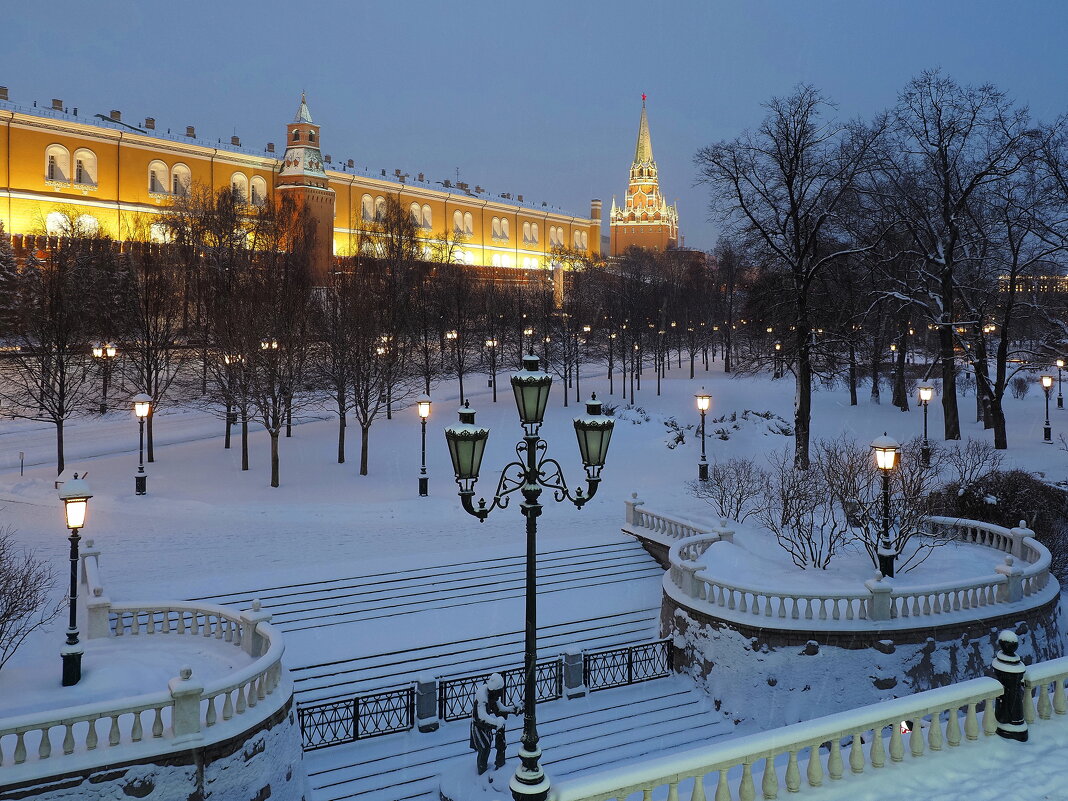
<point>116,177</point>
<point>645,220</point>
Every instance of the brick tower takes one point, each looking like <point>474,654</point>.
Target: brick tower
<point>302,176</point>
<point>645,220</point>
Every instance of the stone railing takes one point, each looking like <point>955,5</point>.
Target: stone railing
<point>185,714</point>
<point>1023,581</point>
<point>663,529</point>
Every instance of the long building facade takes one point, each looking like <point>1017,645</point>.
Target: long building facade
<point>106,174</point>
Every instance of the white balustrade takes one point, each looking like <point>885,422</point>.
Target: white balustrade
<point>658,527</point>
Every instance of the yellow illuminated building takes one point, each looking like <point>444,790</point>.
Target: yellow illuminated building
<point>113,176</point>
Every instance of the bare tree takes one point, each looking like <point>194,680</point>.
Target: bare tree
<point>26,583</point>
<point>736,488</point>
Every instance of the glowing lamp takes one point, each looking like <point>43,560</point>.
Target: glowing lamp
<point>75,495</point>
<point>704,400</point>
<point>926,394</point>
<point>110,351</point>
<point>422,405</point>
<point>1047,381</point>
<point>594,432</point>
<point>531,387</point>
<point>1060,363</point>
<point>886,451</point>
<point>467,444</point>
<point>98,351</point>
<point>142,405</point>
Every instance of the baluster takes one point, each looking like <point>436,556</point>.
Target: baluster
<point>113,732</point>
<point>856,754</point>
<point>1028,702</point>
<point>835,611</point>
<point>849,608</point>
<point>723,790</point>
<point>815,767</point>
<point>241,700</point>
<point>808,608</point>
<point>793,774</point>
<point>181,621</point>
<point>68,739</point>
<point>157,722</point>
<point>90,737</point>
<point>793,608</point>
<point>916,738</point>
<point>769,785</point>
<point>955,594</point>
<point>673,791</point>
<point>767,606</point>
<point>971,724</point>
<point>927,604</point>
<point>742,605</point>
<point>937,609</point>
<point>1045,708</point>
<point>905,606</point>
<point>647,794</point>
<point>730,596</point>
<point>915,606</point>
<point>698,793</point>
<point>1058,697</point>
<point>150,622</point>
<point>834,761</point>
<point>44,749</point>
<point>194,622</point>
<point>210,716</point>
<point>990,723</point>
<point>135,624</point>
<point>136,732</point>
<point>20,748</point>
<point>897,748</point>
<point>222,624</point>
<point>953,728</point>
<point>823,609</point>
<point>208,623</point>
<point>261,690</point>
<point>934,734</point>
<point>228,707</point>
<point>746,788</point>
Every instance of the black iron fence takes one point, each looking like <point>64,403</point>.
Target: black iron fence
<point>356,718</point>
<point>630,665</point>
<point>457,696</point>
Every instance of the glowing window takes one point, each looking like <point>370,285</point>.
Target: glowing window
<point>181,179</point>
<point>496,227</point>
<point>526,232</point>
<point>380,208</point>
<point>458,222</point>
<point>157,176</point>
<point>417,219</point>
<point>258,190</point>
<point>504,228</point>
<point>85,167</point>
<point>367,208</point>
<point>427,217</point>
<point>469,226</point>
<point>239,185</point>
<point>534,233</point>
<point>57,163</point>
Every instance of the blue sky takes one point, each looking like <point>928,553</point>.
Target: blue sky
<point>539,99</point>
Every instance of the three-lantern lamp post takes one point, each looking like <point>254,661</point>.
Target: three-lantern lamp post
<point>926,394</point>
<point>75,495</point>
<point>704,400</point>
<point>422,406</point>
<point>142,404</point>
<point>1047,431</point>
<point>532,472</point>
<point>886,452</point>
<point>104,353</point>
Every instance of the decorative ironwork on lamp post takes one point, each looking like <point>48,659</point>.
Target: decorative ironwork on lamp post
<point>529,474</point>
<point>75,495</point>
<point>142,408</point>
<point>926,394</point>
<point>1047,431</point>
<point>422,405</point>
<point>704,400</point>
<point>886,452</point>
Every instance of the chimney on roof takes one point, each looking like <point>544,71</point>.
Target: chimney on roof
<point>421,178</point>
<point>3,93</point>
<point>235,141</point>
<point>350,164</point>
<point>446,183</point>
<point>595,209</point>
<point>57,104</point>
<point>270,147</point>
<point>190,131</point>
<point>150,123</point>
<point>519,198</point>
<point>383,172</point>
<point>115,113</point>
<point>326,158</point>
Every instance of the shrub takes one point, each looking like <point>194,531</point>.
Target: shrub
<point>1019,387</point>
<point>25,586</point>
<point>735,488</point>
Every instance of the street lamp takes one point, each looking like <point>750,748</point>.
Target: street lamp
<point>1047,432</point>
<point>886,452</point>
<point>454,338</point>
<point>1060,396</point>
<point>142,408</point>
<point>703,402</point>
<point>529,475</point>
<point>75,495</point>
<point>926,394</point>
<point>104,353</point>
<point>778,360</point>
<point>492,345</point>
<point>422,405</point>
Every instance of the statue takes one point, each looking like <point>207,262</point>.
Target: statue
<point>487,722</point>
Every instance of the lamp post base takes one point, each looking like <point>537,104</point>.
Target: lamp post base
<point>72,665</point>
<point>424,486</point>
<point>140,483</point>
<point>1060,401</point>
<point>1047,435</point>
<point>529,782</point>
<point>702,471</point>
<point>886,563</point>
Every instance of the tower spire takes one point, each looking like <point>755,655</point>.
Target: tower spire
<point>643,153</point>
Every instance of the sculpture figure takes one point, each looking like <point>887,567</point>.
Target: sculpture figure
<point>487,722</point>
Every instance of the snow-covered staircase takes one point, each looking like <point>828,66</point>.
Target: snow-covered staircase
<point>577,736</point>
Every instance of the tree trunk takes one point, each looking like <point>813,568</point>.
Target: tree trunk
<point>803,393</point>
<point>997,417</point>
<point>949,382</point>
<point>341,438</point>
<point>148,438</point>
<point>852,373</point>
<point>60,463</point>
<point>274,458</point>
<point>226,439</point>
<point>365,431</point>
<point>244,440</point>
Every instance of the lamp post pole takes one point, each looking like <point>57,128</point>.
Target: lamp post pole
<point>1047,431</point>
<point>703,402</point>
<point>423,408</point>
<point>532,472</point>
<point>886,452</point>
<point>104,354</point>
<point>142,408</point>
<point>926,393</point>
<point>75,496</point>
<point>1060,395</point>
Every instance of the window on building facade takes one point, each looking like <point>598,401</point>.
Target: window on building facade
<point>85,171</point>
<point>311,136</point>
<point>469,224</point>
<point>87,225</point>
<point>367,208</point>
<point>157,177</point>
<point>296,136</point>
<point>457,222</point>
<point>428,219</point>
<point>258,190</point>
<point>181,180</point>
<point>495,226</point>
<point>534,233</point>
<point>239,185</point>
<point>57,163</point>
<point>504,228</point>
<point>526,232</point>
<point>380,208</point>
<point>416,212</point>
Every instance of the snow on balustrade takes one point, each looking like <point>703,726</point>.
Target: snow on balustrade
<point>240,655</point>
<point>661,528</point>
<point>733,590</point>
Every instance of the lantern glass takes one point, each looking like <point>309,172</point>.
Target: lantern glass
<point>1047,381</point>
<point>703,400</point>
<point>98,351</point>
<point>886,451</point>
<point>142,405</point>
<point>531,387</point>
<point>111,351</point>
<point>926,394</point>
<point>467,444</point>
<point>423,406</point>
<point>75,510</point>
<point>75,495</point>
<point>594,432</point>
<point>1060,363</point>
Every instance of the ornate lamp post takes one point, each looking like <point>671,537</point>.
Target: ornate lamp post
<point>492,345</point>
<point>778,360</point>
<point>886,452</point>
<point>104,353</point>
<point>926,394</point>
<point>142,408</point>
<point>1060,396</point>
<point>233,362</point>
<point>454,338</point>
<point>422,405</point>
<point>704,400</point>
<point>528,475</point>
<point>1047,432</point>
<point>75,496</point>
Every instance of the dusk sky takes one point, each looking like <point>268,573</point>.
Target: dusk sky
<point>534,98</point>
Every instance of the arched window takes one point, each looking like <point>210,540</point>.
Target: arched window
<point>585,240</point>
<point>459,257</point>
<point>296,136</point>
<point>469,227</point>
<point>578,239</point>
<point>496,227</point>
<point>380,208</point>
<point>157,176</point>
<point>469,257</point>
<point>458,222</point>
<point>181,180</point>
<point>526,232</point>
<point>258,189</point>
<point>552,236</point>
<point>417,219</point>
<point>534,233</point>
<point>311,136</point>
<point>428,218</point>
<point>504,228</point>
<point>496,260</point>
<point>506,260</point>
<point>87,225</point>
<point>57,224</point>
<point>57,163</point>
<point>239,185</point>
<point>85,167</point>
<point>367,208</point>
